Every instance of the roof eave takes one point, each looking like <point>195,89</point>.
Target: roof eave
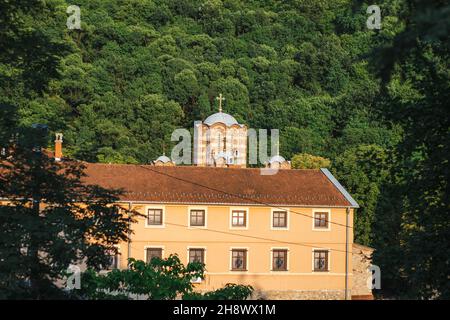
<point>333,180</point>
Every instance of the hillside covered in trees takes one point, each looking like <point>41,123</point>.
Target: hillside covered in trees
<point>372,102</point>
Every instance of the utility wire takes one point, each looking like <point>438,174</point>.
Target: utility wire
<point>252,237</point>
<point>246,236</point>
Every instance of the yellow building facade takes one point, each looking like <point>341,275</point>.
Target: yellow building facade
<point>262,241</point>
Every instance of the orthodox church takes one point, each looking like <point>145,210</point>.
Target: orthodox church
<point>221,141</point>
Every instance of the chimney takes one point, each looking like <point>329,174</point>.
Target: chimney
<point>58,146</point>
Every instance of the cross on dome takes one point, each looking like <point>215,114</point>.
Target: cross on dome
<point>220,98</point>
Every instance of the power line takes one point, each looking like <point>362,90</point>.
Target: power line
<point>250,236</point>
<point>242,197</point>
<point>247,236</point>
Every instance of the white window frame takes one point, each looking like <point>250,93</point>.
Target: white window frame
<point>119,256</point>
<point>247,260</point>
<point>163,208</point>
<point>189,217</point>
<point>328,262</point>
<point>154,247</point>
<point>314,211</point>
<point>197,280</point>
<point>195,247</point>
<point>287,257</point>
<point>247,217</point>
<point>272,227</point>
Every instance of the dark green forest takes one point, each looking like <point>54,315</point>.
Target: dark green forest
<point>375,103</point>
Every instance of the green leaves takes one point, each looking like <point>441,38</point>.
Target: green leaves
<point>362,171</point>
<point>307,161</point>
<point>52,220</point>
<point>415,67</point>
<point>231,291</point>
<point>270,60</point>
<point>160,279</point>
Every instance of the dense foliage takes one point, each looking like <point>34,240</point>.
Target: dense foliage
<point>139,69</point>
<point>412,223</point>
<point>373,102</point>
<point>51,220</point>
<point>159,279</point>
<point>308,161</point>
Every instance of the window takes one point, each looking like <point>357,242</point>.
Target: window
<point>321,220</point>
<point>113,261</point>
<point>197,255</point>
<point>152,253</point>
<point>279,219</point>
<point>279,260</point>
<point>155,217</point>
<point>239,218</point>
<point>239,260</point>
<point>320,260</point>
<point>197,218</point>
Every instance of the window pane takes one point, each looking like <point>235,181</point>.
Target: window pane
<point>320,260</point>
<point>113,262</point>
<point>279,260</point>
<point>197,255</point>
<point>153,252</point>
<point>154,217</point>
<point>321,220</point>
<point>280,219</point>
<point>238,218</point>
<point>197,218</point>
<point>239,260</point>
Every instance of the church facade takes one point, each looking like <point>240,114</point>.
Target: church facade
<point>220,141</point>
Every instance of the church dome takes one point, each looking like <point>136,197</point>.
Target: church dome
<point>163,159</point>
<point>222,117</point>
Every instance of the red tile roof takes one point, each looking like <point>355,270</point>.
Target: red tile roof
<point>210,185</point>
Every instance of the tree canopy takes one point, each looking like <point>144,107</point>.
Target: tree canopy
<point>159,279</point>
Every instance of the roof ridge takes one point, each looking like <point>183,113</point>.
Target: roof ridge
<point>191,166</point>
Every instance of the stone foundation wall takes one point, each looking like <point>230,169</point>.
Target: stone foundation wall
<point>362,259</point>
<point>300,295</point>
